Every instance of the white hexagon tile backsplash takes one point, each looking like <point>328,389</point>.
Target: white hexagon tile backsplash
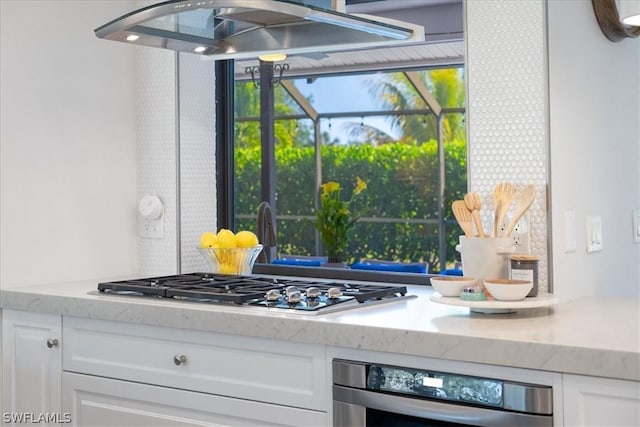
<point>507,107</point>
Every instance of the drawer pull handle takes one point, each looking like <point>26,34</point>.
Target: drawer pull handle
<point>52,343</point>
<point>179,359</point>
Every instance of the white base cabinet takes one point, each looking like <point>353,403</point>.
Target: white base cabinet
<point>261,370</point>
<point>96,401</point>
<point>104,373</point>
<point>118,374</point>
<point>31,367</point>
<point>598,402</point>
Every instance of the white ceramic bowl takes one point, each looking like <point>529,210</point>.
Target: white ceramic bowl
<point>451,286</point>
<point>508,289</point>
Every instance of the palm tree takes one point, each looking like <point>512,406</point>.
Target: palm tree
<point>367,134</point>
<point>396,93</point>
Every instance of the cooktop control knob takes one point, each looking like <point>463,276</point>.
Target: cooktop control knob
<point>334,293</point>
<point>312,292</point>
<point>290,289</point>
<point>294,297</point>
<point>273,295</point>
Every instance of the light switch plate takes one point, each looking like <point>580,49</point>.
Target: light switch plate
<point>594,233</point>
<point>636,225</point>
<point>569,231</point>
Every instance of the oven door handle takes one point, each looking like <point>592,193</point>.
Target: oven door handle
<point>434,410</point>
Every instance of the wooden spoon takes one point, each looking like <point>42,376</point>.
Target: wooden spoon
<point>463,216</point>
<point>472,201</point>
<point>496,218</point>
<point>503,193</point>
<point>524,202</point>
<point>497,202</point>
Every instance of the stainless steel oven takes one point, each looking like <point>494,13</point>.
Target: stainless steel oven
<point>369,394</point>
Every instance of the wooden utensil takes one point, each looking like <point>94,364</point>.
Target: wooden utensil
<point>463,216</point>
<point>472,201</point>
<point>496,219</point>
<point>524,202</point>
<point>503,193</point>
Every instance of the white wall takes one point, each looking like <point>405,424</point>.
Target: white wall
<point>594,88</point>
<point>68,172</point>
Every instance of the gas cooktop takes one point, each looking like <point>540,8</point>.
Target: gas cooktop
<point>277,293</point>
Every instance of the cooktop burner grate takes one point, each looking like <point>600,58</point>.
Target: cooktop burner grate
<point>313,295</point>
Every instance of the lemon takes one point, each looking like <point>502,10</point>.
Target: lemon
<point>246,239</point>
<point>228,269</point>
<point>226,238</point>
<point>208,240</point>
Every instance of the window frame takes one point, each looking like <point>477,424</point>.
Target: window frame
<point>226,145</point>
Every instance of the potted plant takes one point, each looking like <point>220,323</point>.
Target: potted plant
<point>334,219</point>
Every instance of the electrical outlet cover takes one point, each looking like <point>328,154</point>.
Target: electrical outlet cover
<point>151,229</point>
<point>521,234</point>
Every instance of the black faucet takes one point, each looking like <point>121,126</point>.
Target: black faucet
<point>266,234</point>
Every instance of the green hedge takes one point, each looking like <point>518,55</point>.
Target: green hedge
<point>401,185</point>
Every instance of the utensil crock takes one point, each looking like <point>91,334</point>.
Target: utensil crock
<point>485,257</point>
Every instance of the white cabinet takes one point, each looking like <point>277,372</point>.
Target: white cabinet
<point>121,374</point>
<point>591,401</point>
<point>31,365</point>
<point>263,370</point>
<point>125,374</point>
<point>96,401</point>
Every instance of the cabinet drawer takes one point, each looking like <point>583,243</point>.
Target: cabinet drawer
<point>250,368</point>
<point>96,401</point>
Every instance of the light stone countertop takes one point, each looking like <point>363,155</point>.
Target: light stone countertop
<point>589,336</point>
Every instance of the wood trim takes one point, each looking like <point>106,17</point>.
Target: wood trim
<point>609,20</point>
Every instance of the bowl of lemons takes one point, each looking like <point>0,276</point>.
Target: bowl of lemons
<point>228,252</point>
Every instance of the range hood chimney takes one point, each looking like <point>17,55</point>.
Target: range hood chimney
<point>239,29</point>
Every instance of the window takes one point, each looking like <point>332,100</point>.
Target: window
<point>377,126</point>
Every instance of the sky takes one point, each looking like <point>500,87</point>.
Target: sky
<point>343,94</point>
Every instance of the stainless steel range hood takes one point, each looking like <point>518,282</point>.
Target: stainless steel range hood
<point>223,29</point>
